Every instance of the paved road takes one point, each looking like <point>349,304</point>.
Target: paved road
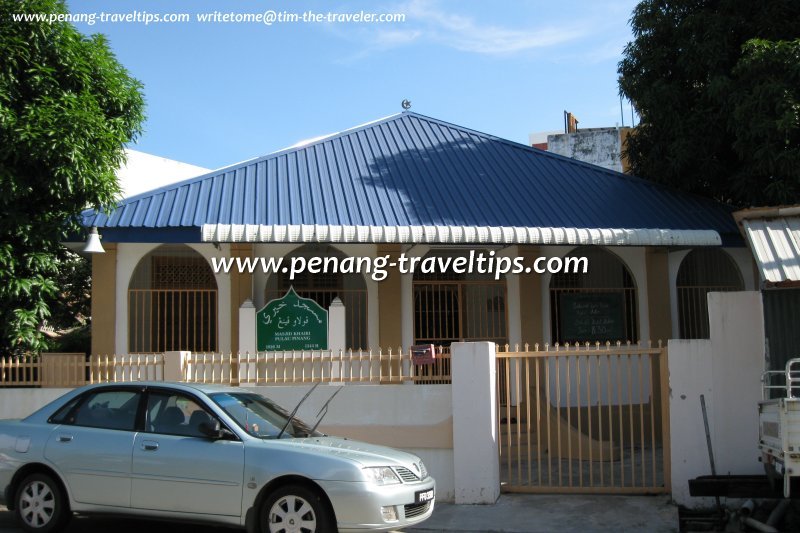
<point>117,525</point>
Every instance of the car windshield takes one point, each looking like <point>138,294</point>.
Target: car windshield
<point>259,416</point>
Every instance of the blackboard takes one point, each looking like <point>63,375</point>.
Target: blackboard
<point>291,323</point>
<point>591,317</point>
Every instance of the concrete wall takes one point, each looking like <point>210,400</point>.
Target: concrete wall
<point>598,146</point>
<point>19,403</point>
<point>418,419</point>
<point>726,369</point>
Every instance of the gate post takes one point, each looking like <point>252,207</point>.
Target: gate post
<point>476,464</point>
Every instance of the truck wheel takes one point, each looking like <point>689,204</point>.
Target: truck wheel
<point>41,505</point>
<point>295,509</point>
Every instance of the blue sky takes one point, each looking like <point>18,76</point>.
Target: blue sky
<point>222,93</point>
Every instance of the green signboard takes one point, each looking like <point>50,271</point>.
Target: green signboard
<point>591,317</point>
<point>291,323</point>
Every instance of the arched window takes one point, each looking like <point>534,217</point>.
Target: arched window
<point>450,307</point>
<point>597,306</point>
<point>702,271</point>
<point>172,302</point>
<point>324,287</point>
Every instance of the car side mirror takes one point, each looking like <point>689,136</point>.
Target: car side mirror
<point>212,430</point>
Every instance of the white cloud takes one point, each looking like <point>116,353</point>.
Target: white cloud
<point>427,22</point>
<point>395,38</point>
<point>468,35</point>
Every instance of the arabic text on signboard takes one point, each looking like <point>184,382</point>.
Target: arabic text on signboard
<point>292,323</point>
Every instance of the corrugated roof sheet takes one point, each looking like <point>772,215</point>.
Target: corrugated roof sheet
<point>776,246</point>
<point>412,171</point>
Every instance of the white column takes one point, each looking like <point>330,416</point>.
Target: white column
<point>336,326</point>
<point>247,338</point>
<point>476,465</point>
<point>247,327</point>
<point>336,331</point>
<point>173,365</point>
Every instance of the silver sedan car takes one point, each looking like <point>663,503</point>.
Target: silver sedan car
<point>201,453</point>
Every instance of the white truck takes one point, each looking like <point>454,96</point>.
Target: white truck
<point>779,424</point>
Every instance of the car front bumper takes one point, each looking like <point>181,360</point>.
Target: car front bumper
<point>359,505</point>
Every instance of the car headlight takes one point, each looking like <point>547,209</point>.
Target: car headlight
<point>423,472</point>
<point>381,475</point>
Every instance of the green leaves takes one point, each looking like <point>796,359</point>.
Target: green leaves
<point>717,86</point>
<point>67,108</point>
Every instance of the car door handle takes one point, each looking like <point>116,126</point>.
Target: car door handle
<point>65,438</point>
<point>149,446</point>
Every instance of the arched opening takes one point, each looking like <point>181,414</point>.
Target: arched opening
<point>702,271</point>
<point>172,302</point>
<point>451,306</point>
<point>600,305</point>
<point>324,287</point>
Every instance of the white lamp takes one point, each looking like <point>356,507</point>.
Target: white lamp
<point>93,245</point>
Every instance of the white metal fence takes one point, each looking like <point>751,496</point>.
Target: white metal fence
<point>74,370</point>
<point>372,366</point>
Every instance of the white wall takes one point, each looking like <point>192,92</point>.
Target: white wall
<point>19,403</point>
<point>418,409</point>
<point>727,370</point>
<point>144,172</point>
<point>598,146</point>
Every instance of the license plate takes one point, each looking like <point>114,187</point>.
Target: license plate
<point>423,496</point>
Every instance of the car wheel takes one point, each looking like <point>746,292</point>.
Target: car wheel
<point>295,509</point>
<point>41,506</point>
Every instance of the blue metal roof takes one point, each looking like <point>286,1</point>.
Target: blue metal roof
<point>410,170</point>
